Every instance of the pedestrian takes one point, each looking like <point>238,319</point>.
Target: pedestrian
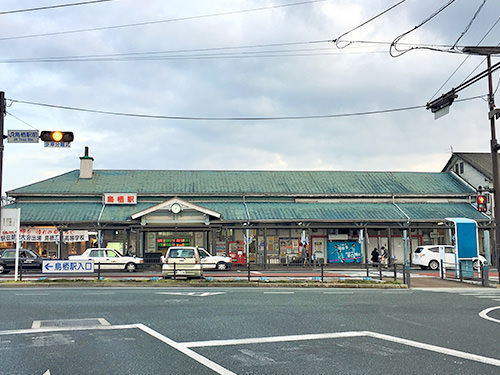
<point>375,256</point>
<point>384,256</point>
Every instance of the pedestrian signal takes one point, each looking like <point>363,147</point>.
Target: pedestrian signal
<point>482,203</point>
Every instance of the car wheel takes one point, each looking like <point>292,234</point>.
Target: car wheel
<point>2,269</point>
<point>476,265</point>
<point>434,265</point>
<point>221,266</point>
<point>130,267</point>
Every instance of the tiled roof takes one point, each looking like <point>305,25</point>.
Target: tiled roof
<point>180,183</point>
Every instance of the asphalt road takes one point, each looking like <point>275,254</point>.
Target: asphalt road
<point>249,331</point>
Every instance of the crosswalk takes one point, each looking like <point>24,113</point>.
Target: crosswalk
<point>480,293</point>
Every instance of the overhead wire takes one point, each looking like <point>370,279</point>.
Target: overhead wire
<point>394,43</point>
<point>219,118</point>
<point>339,39</point>
<point>469,24</point>
<point>241,11</point>
<point>465,59</point>
<point>52,7</point>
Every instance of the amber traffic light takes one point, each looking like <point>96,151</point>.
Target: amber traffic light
<point>56,136</point>
<point>481,203</point>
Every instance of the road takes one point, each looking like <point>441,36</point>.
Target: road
<point>249,331</point>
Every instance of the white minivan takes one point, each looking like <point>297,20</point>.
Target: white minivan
<point>428,257</point>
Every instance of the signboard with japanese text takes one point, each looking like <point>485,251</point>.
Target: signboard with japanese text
<point>10,219</point>
<point>75,236</point>
<point>120,198</point>
<point>68,266</point>
<point>22,136</point>
<point>57,144</point>
<point>43,235</point>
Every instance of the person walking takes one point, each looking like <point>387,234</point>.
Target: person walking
<point>375,256</point>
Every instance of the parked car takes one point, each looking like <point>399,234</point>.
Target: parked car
<point>182,261</point>
<point>428,257</point>
<point>28,260</point>
<point>109,259</point>
<point>216,262</point>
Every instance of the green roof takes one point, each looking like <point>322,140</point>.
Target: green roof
<point>46,213</point>
<point>172,182</point>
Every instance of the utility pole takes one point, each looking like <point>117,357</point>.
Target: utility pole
<point>442,103</point>
<point>2,115</point>
<point>494,146</point>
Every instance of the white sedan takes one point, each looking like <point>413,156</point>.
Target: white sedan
<point>109,259</point>
<point>209,261</point>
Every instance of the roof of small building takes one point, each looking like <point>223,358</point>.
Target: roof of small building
<point>206,182</point>
<point>479,160</point>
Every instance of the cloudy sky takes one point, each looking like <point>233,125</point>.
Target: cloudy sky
<point>242,84</point>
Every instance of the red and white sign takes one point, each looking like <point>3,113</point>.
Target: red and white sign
<point>120,198</point>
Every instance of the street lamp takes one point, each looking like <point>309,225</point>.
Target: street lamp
<point>493,114</point>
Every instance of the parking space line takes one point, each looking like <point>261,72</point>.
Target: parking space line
<point>185,350</point>
<point>416,344</point>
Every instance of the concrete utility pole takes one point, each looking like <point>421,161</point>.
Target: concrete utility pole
<point>2,115</point>
<point>444,101</point>
<point>493,114</point>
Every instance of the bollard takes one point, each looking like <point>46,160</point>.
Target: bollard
<point>460,272</point>
<point>367,269</point>
<point>21,271</point>
<point>380,270</point>
<point>484,275</point>
<point>98,270</point>
<point>441,269</point>
<point>322,272</point>
<point>395,272</point>
<point>175,272</point>
<point>248,273</point>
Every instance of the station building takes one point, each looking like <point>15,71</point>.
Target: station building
<point>276,217</point>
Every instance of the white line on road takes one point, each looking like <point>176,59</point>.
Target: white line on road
<point>183,349</point>
<point>279,292</point>
<point>484,314</point>
<point>416,344</point>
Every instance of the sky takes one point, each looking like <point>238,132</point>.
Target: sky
<point>243,84</point>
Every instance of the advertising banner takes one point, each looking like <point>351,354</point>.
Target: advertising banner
<point>344,252</point>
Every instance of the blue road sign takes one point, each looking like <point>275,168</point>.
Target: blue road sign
<point>68,266</point>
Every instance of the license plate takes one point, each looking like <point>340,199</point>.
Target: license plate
<point>181,272</point>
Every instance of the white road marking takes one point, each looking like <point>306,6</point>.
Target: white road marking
<point>32,294</point>
<point>416,344</point>
<point>279,292</point>
<point>184,347</point>
<point>46,372</point>
<point>338,292</point>
<point>193,294</point>
<point>484,314</point>
<point>197,357</point>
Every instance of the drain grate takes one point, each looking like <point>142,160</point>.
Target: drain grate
<point>70,323</point>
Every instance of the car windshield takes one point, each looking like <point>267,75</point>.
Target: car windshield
<point>181,253</point>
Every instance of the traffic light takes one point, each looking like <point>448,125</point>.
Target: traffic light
<point>56,136</point>
<point>481,203</point>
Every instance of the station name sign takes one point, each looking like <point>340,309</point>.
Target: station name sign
<point>120,198</point>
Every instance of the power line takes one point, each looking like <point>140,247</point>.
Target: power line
<point>163,21</point>
<point>338,40</point>
<point>398,38</point>
<point>52,7</point>
<point>203,53</point>
<point>193,118</point>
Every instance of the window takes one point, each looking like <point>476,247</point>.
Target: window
<point>111,254</point>
<point>461,168</point>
